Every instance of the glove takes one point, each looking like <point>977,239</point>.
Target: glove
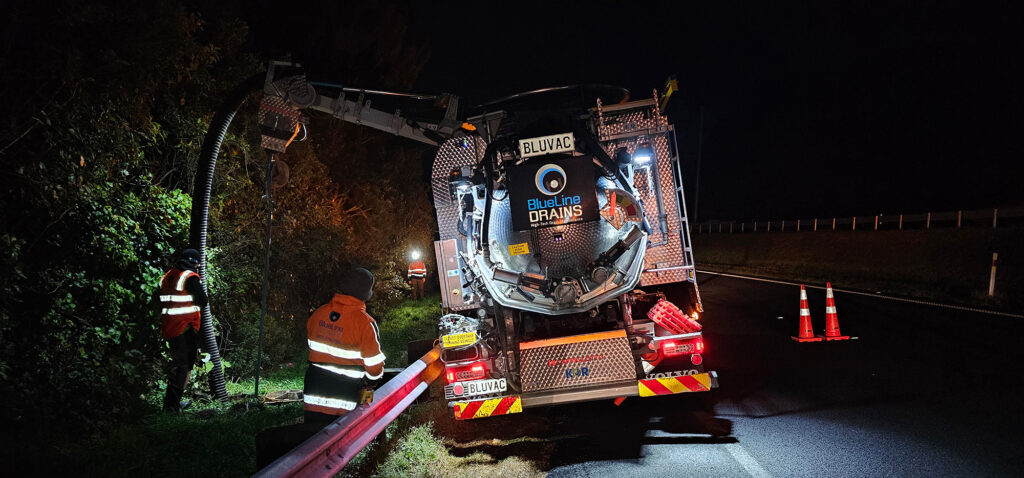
<point>366,396</point>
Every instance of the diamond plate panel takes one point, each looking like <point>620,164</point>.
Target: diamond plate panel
<point>577,364</point>
<point>672,253</point>
<point>453,153</point>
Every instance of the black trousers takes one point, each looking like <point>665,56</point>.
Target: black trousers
<point>417,287</point>
<point>184,349</point>
<point>326,384</point>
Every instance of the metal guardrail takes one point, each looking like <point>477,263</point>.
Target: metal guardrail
<point>330,449</point>
<point>978,218</point>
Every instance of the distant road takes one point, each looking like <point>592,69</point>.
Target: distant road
<point>923,392</point>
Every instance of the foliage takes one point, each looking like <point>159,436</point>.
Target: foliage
<point>105,110</point>
<point>93,207</point>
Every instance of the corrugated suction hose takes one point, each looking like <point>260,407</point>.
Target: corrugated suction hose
<point>201,213</point>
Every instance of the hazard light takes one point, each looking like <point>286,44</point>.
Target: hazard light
<point>473,371</point>
<point>673,347</point>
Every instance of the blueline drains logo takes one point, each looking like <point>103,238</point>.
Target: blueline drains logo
<point>552,192</point>
<point>551,180</point>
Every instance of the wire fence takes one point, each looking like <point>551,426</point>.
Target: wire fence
<point>977,218</point>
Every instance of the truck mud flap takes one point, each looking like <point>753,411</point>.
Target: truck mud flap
<point>489,407</point>
<point>701,382</point>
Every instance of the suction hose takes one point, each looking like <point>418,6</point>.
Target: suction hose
<point>201,213</point>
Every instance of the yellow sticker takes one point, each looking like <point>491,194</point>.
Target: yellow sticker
<point>519,249</point>
<point>458,340</point>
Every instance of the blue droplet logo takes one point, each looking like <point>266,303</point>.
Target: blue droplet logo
<point>550,179</point>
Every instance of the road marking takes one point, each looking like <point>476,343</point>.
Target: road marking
<point>878,296</point>
<point>748,462</point>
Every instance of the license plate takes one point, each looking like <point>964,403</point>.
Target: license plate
<point>458,340</point>
<point>556,143</point>
<point>475,387</point>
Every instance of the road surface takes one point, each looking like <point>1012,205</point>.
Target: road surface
<point>924,391</point>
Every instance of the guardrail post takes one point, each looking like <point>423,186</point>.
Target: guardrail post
<point>854,223</point>
<point>815,225</point>
<point>719,227</point>
<point>901,222</point>
<point>876,223</point>
<point>833,223</point>
<point>755,226</point>
<point>797,225</point>
<point>992,277</point>
<point>742,226</point>
<point>769,225</point>
<point>995,214</point>
<point>730,228</point>
<point>783,225</point>
<point>928,221</point>
<point>959,214</point>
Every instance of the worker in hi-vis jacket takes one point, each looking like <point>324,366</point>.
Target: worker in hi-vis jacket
<point>417,275</point>
<point>345,358</point>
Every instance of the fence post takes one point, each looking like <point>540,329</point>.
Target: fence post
<point>992,277</point>
<point>854,223</point>
<point>783,225</point>
<point>743,226</point>
<point>719,227</point>
<point>928,221</point>
<point>901,222</point>
<point>876,223</point>
<point>755,226</point>
<point>769,225</point>
<point>815,225</point>
<point>995,214</point>
<point>730,228</point>
<point>797,225</point>
<point>959,214</point>
<point>833,223</point>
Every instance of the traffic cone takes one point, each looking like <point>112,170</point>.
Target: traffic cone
<point>806,331</point>
<point>831,317</point>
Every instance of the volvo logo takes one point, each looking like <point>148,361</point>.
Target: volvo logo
<point>550,179</point>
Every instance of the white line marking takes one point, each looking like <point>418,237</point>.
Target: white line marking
<point>748,462</point>
<point>879,296</point>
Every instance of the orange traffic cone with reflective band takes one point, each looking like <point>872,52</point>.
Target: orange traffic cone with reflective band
<point>831,317</point>
<point>806,333</point>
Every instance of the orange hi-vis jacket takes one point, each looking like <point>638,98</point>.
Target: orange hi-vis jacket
<point>344,344</point>
<point>417,270</point>
<point>178,308</point>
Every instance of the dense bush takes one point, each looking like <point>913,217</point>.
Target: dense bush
<point>103,115</point>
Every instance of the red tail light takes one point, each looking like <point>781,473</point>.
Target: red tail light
<point>672,348</point>
<point>473,371</point>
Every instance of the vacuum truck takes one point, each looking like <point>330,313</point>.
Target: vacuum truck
<point>565,263</point>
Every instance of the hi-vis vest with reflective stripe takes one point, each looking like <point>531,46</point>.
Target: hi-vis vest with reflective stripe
<point>344,339</point>
<point>178,309</point>
<point>417,270</point>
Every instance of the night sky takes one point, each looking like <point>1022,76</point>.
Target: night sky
<point>810,109</point>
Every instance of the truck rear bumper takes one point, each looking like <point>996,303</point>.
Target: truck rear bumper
<point>702,382</point>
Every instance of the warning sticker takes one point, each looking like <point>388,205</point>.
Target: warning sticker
<point>519,249</point>
<point>458,340</point>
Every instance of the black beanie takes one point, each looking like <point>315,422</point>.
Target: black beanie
<point>357,283</point>
<point>188,259</point>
